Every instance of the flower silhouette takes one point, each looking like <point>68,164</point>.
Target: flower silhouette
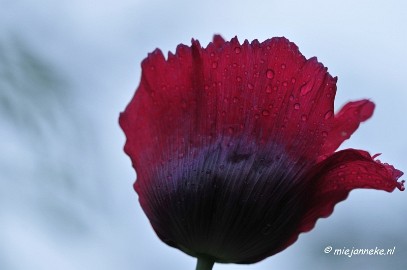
<point>234,148</point>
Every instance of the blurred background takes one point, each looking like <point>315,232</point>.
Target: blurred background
<point>67,68</point>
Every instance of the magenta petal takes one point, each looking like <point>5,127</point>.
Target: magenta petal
<point>344,171</point>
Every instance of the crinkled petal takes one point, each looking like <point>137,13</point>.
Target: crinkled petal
<point>331,181</point>
<point>250,93</point>
<point>344,171</point>
<point>346,121</point>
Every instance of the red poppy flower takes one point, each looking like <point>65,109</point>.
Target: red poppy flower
<point>234,147</point>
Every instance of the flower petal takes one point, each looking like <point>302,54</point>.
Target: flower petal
<point>262,93</point>
<point>346,122</point>
<point>335,177</point>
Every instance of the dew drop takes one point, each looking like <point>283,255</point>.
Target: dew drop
<point>293,80</point>
<point>250,86</point>
<point>238,50</point>
<point>304,117</point>
<point>306,88</point>
<point>265,113</point>
<point>297,106</point>
<point>324,134</point>
<point>291,98</point>
<point>285,84</point>
<point>328,114</point>
<point>235,100</point>
<point>214,64</point>
<point>270,74</point>
<point>238,78</point>
<point>268,89</point>
<point>283,66</point>
<point>256,116</point>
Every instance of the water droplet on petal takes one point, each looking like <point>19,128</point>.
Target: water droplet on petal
<point>328,114</point>
<point>304,117</point>
<point>270,74</point>
<point>283,66</point>
<point>285,84</point>
<point>250,86</point>
<point>324,134</point>
<point>400,185</point>
<point>235,100</point>
<point>238,78</point>
<point>297,106</point>
<point>256,116</point>
<point>238,50</point>
<point>265,113</point>
<point>214,64</point>
<point>293,80</point>
<point>268,89</point>
<point>306,88</point>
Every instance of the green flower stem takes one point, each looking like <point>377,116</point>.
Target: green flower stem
<point>204,264</point>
